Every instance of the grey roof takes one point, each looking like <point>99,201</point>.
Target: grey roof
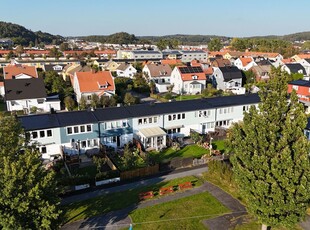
<point>300,83</point>
<point>51,67</point>
<point>123,66</point>
<point>145,52</point>
<point>167,52</point>
<point>76,117</point>
<point>158,70</point>
<point>63,119</point>
<point>192,51</point>
<point>17,89</point>
<point>230,73</point>
<point>40,121</point>
<point>295,67</point>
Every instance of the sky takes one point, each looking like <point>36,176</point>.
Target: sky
<point>233,18</point>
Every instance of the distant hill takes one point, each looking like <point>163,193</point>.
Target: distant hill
<point>22,36</point>
<point>184,39</point>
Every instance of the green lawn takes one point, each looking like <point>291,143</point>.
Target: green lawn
<point>187,97</point>
<point>188,151</point>
<point>184,213</point>
<point>219,145</point>
<point>116,201</point>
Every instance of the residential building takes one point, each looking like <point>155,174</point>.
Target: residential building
<point>262,72</point>
<point>188,80</point>
<point>126,70</point>
<point>245,63</point>
<point>79,131</point>
<point>88,83</point>
<point>139,55</point>
<point>18,71</point>
<point>190,55</point>
<point>58,68</point>
<point>23,94</point>
<point>306,64</point>
<point>302,88</point>
<point>160,74</point>
<point>292,68</point>
<point>220,62</point>
<point>227,78</point>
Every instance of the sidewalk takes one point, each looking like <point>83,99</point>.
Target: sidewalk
<point>120,219</point>
<point>133,185</point>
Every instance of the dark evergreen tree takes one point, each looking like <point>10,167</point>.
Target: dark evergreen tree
<point>271,156</point>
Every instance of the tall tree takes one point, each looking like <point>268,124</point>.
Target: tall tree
<point>271,156</point>
<point>28,192</point>
<point>215,44</point>
<point>95,101</point>
<point>83,103</point>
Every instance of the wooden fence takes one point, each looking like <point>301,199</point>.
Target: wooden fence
<point>141,172</point>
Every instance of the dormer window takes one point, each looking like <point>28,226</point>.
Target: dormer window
<point>103,86</point>
<point>194,77</point>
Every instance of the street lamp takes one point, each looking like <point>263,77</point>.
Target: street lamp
<point>211,138</point>
<point>78,141</point>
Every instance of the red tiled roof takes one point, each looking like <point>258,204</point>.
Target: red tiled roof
<point>14,70</point>
<point>90,81</point>
<point>208,71</point>
<point>37,51</point>
<point>245,61</point>
<point>170,61</point>
<point>189,76</point>
<point>5,51</point>
<point>105,51</point>
<point>287,60</point>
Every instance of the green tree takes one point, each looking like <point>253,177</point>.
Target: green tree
<point>54,52</point>
<point>249,77</point>
<point>64,46</point>
<point>83,103</point>
<point>19,50</point>
<point>306,45</point>
<point>271,156</point>
<point>129,99</point>
<point>29,198</point>
<point>215,44</point>
<point>69,103</point>
<point>9,55</point>
<point>95,101</point>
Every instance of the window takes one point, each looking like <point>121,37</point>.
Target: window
<point>42,133</point>
<point>179,116</point>
<point>174,116</point>
<point>49,133</point>
<point>43,149</point>
<point>140,121</point>
<point>69,130</point>
<point>155,119</point>
<point>144,121</point>
<point>34,135</point>
<point>88,128</point>
<point>83,144</point>
<point>179,130</point>
<point>89,97</point>
<point>95,142</point>
<point>183,115</point>
<point>150,120</point>
<point>169,118</point>
<point>76,129</point>
<point>88,143</point>
<point>82,129</point>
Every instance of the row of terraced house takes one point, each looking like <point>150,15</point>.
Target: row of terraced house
<point>151,124</point>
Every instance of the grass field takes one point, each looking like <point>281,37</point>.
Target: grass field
<point>188,151</point>
<point>187,97</point>
<point>115,201</point>
<point>185,213</point>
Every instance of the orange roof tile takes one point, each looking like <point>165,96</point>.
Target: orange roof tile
<point>189,76</point>
<point>171,61</point>
<point>245,61</point>
<point>215,53</point>
<point>14,70</point>
<point>287,60</point>
<point>4,51</point>
<point>304,56</point>
<point>105,51</point>
<point>208,71</point>
<point>91,81</point>
<point>37,51</point>
<point>1,83</point>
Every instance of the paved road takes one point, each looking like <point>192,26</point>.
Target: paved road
<point>133,185</point>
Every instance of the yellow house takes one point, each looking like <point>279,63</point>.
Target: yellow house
<point>111,65</point>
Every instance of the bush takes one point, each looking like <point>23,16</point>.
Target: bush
<point>76,180</point>
<point>221,169</point>
<point>107,175</point>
